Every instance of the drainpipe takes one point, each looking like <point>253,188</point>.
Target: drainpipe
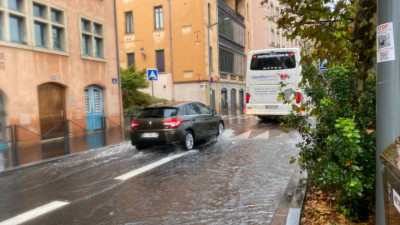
<point>118,62</point>
<point>170,47</point>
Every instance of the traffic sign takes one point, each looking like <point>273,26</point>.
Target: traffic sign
<point>211,79</point>
<point>152,74</point>
<point>322,64</point>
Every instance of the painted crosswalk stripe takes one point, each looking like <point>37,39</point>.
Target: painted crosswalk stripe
<point>243,136</point>
<point>149,167</point>
<point>26,216</point>
<point>264,135</point>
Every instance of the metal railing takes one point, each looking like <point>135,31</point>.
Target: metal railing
<point>16,137</point>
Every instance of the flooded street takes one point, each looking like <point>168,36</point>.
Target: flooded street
<point>238,179</point>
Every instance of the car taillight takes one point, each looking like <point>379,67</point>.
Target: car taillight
<point>134,124</point>
<point>172,123</point>
<point>247,97</point>
<point>298,98</point>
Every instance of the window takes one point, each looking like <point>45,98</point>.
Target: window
<point>128,23</point>
<point>16,29</point>
<point>86,45</point>
<point>158,18</point>
<point>1,26</point>
<point>271,10</point>
<point>85,25</point>
<point>273,61</point>
<point>230,29</point>
<point>204,109</point>
<point>40,34</point>
<point>56,16</point>
<point>160,60</point>
<point>278,39</point>
<point>233,63</point>
<point>15,5</point>
<point>57,34</point>
<point>92,38</point>
<point>38,11</point>
<point>191,109</point>
<point>277,12</point>
<point>131,58</point>
<point>97,29</point>
<point>272,37</point>
<point>49,28</point>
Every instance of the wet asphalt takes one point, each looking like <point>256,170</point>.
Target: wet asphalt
<point>237,179</point>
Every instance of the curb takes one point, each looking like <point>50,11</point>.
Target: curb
<point>288,211</point>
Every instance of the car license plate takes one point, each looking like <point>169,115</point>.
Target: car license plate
<point>271,106</point>
<point>150,135</point>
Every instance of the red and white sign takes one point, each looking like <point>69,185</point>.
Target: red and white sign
<point>385,43</point>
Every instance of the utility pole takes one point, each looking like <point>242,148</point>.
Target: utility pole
<point>387,94</point>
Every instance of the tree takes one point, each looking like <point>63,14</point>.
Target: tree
<point>131,81</point>
<point>342,29</point>
<point>338,151</point>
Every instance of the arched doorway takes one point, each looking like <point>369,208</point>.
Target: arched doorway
<point>51,109</point>
<point>233,101</point>
<point>224,101</point>
<point>94,107</point>
<point>3,125</point>
<point>241,101</point>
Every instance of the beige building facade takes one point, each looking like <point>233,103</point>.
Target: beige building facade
<point>265,32</point>
<point>190,42</point>
<point>58,62</point>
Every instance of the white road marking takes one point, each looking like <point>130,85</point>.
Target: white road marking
<point>24,217</point>
<point>264,135</point>
<point>148,167</point>
<point>242,136</point>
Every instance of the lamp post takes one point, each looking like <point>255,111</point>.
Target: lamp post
<point>209,52</point>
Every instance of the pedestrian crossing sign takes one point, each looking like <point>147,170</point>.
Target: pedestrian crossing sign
<point>152,74</point>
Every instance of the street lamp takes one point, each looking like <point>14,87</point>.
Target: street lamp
<point>209,52</point>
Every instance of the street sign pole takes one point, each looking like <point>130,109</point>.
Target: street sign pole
<point>387,92</point>
<point>152,90</point>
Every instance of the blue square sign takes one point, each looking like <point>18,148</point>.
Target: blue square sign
<point>152,74</point>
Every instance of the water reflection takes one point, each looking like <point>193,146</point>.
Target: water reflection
<point>57,147</point>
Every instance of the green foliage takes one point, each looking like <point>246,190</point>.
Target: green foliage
<point>131,81</point>
<point>337,151</point>
<point>341,29</point>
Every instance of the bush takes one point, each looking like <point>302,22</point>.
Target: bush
<point>338,152</point>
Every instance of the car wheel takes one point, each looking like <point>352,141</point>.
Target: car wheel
<point>220,128</point>
<point>189,140</point>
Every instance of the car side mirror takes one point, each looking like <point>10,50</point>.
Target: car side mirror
<point>213,112</point>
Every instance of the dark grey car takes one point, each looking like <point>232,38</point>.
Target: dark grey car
<point>181,123</point>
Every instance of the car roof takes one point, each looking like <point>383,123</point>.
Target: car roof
<point>170,104</point>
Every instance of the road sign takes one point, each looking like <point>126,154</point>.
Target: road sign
<point>322,64</point>
<point>211,79</point>
<point>152,74</point>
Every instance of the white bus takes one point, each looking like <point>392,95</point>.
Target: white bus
<point>266,69</point>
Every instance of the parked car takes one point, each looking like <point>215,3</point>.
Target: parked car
<point>180,123</point>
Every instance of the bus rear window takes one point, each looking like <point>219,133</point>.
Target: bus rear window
<point>273,61</point>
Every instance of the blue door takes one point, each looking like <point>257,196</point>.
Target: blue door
<point>94,107</point>
<point>3,129</point>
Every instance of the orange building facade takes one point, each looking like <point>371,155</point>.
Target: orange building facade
<point>58,62</point>
<point>183,39</point>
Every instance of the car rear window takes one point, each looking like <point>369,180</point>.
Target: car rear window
<point>158,112</point>
<point>273,61</point>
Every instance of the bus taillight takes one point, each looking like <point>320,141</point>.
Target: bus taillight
<point>247,97</point>
<point>298,98</point>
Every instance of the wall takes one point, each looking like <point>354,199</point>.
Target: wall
<point>24,68</point>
